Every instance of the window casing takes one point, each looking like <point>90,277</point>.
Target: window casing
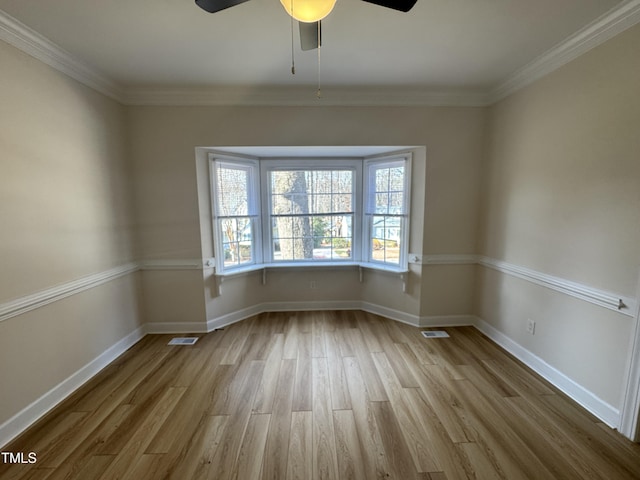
<point>307,212</point>
<point>236,213</point>
<point>386,214</point>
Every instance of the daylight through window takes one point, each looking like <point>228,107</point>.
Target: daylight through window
<point>310,212</point>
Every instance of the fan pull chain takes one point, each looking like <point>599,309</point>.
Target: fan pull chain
<point>293,58</point>
<point>319,92</point>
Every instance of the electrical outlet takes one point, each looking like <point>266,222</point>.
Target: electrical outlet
<point>531,326</point>
<point>312,284</point>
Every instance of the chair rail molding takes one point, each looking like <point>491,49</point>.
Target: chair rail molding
<point>39,299</point>
<point>618,303</point>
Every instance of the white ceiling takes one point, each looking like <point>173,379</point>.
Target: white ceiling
<point>440,44</point>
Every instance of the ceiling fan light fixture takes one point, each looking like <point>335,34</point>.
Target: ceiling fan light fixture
<point>308,11</point>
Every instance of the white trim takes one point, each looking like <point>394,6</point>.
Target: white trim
<point>593,295</point>
<point>601,409</point>
<point>31,302</point>
<point>234,317</point>
<point>630,415</point>
<point>404,317</point>
<point>596,33</point>
<point>447,321</point>
<point>32,43</point>
<point>604,28</point>
<point>30,414</point>
<point>159,328</point>
<point>239,315</point>
<point>173,264</point>
<point>304,96</point>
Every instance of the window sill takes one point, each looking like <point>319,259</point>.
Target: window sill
<point>288,266</point>
<point>310,266</point>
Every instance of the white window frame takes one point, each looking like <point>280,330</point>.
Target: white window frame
<point>253,211</point>
<point>260,208</point>
<point>304,164</point>
<point>368,216</point>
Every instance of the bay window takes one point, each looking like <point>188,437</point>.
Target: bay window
<point>288,212</point>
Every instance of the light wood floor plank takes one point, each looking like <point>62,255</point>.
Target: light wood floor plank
<point>350,462</point>
<point>300,458</point>
<point>195,459</point>
<point>227,453</point>
<point>419,444</point>
<point>325,461</point>
<point>340,399</point>
<point>304,395</point>
<point>291,335</point>
<point>134,448</point>
<point>451,459</point>
<point>249,462</point>
<point>179,428</point>
<point>375,388</point>
<point>396,451</point>
<point>265,395</point>
<point>371,446</point>
<point>433,383</point>
<point>277,448</point>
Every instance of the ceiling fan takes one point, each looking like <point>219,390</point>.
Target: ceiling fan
<point>307,12</point>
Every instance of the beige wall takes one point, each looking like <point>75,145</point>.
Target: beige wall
<point>447,176</point>
<point>562,197</point>
<point>65,213</point>
<point>545,179</point>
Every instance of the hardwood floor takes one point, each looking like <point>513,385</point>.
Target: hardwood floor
<point>321,395</point>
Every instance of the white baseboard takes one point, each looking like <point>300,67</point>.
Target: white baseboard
<point>447,321</point>
<point>233,317</point>
<point>598,407</point>
<point>408,318</point>
<point>29,415</point>
<point>158,328</point>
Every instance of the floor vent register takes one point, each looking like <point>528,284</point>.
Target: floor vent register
<point>434,334</point>
<point>183,341</point>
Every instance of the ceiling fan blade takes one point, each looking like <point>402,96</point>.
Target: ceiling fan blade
<point>213,6</point>
<point>402,5</point>
<point>309,35</point>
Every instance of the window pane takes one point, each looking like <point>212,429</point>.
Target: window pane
<point>386,236</point>
<point>311,214</point>
<point>382,179</point>
<point>233,191</point>
<point>396,203</point>
<point>382,203</point>
<point>320,203</point>
<point>342,202</point>
<point>396,179</point>
<point>292,238</point>
<point>237,240</point>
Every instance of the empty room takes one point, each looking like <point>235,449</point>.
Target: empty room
<point>349,239</point>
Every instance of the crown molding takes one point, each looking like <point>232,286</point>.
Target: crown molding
<point>304,96</point>
<point>612,23</point>
<point>604,28</point>
<point>32,43</point>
